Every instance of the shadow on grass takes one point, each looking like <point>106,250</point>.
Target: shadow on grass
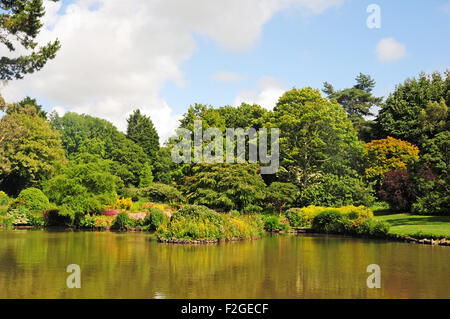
<point>428,220</point>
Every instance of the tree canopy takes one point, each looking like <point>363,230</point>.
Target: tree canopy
<point>20,22</point>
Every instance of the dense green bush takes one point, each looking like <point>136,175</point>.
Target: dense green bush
<point>271,223</point>
<point>199,222</point>
<point>349,222</point>
<point>34,199</point>
<point>162,193</point>
<point>154,219</point>
<point>53,218</point>
<point>303,217</point>
<point>374,228</point>
<point>122,222</point>
<point>4,199</point>
<point>333,191</point>
<point>329,221</point>
<point>93,221</point>
<point>224,187</point>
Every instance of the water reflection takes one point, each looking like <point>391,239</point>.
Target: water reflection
<point>133,265</point>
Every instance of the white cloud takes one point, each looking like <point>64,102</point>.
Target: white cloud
<point>267,94</point>
<point>389,49</point>
<point>117,55</point>
<point>226,77</point>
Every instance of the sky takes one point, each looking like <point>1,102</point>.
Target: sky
<point>162,56</point>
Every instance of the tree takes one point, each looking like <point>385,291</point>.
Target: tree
<point>386,155</point>
<point>357,101</point>
<point>224,186</point>
<point>30,151</point>
<point>84,133</point>
<point>86,185</point>
<point>316,137</point>
<point>281,194</point>
<point>23,107</point>
<point>417,109</point>
<point>20,22</point>
<point>141,131</point>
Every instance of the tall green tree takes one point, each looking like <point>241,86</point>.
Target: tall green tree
<point>357,101</point>
<point>23,106</point>
<point>20,23</point>
<point>84,133</point>
<point>316,137</point>
<point>30,151</point>
<point>418,109</point>
<point>141,131</point>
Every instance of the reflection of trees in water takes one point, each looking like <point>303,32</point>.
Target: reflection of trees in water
<point>132,265</point>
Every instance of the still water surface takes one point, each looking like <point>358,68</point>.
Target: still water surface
<point>133,265</point>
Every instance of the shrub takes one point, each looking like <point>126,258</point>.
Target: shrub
<point>110,212</point>
<point>4,199</point>
<point>373,228</point>
<point>94,221</point>
<point>334,191</point>
<point>329,221</point>
<point>34,199</point>
<point>154,219</point>
<point>52,217</point>
<point>199,222</point>
<point>398,189</point>
<point>162,193</point>
<point>20,216</point>
<point>303,217</point>
<point>123,203</point>
<point>122,222</point>
<point>433,203</point>
<point>271,223</point>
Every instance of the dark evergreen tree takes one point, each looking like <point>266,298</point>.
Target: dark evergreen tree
<point>141,131</point>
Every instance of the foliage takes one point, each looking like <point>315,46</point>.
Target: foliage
<point>335,222</point>
<point>224,186</point>
<point>123,203</point>
<point>398,189</point>
<point>271,223</point>
<point>162,193</point>
<point>53,218</point>
<point>20,22</point>
<point>154,219</point>
<point>83,187</point>
<point>87,134</point>
<point>408,112</point>
<point>316,137</point>
<point>303,217</point>
<point>199,222</point>
<point>4,199</point>
<point>34,199</point>
<point>30,151</point>
<point>122,222</point>
<point>357,102</point>
<point>141,131</point>
<point>281,194</point>
<point>329,221</point>
<point>386,155</point>
<point>334,191</point>
<point>94,221</point>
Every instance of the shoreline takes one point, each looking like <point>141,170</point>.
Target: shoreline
<point>293,231</point>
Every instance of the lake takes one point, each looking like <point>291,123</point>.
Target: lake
<point>134,265</point>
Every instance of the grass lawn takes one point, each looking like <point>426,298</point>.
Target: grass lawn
<point>416,225</point>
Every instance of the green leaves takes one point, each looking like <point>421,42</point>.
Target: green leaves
<point>21,23</point>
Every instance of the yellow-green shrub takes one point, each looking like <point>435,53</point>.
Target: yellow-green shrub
<point>123,203</point>
<point>303,217</point>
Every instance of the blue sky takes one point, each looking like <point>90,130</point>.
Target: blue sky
<point>163,55</point>
<point>334,46</point>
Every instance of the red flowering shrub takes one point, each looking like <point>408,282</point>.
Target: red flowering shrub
<point>110,213</point>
